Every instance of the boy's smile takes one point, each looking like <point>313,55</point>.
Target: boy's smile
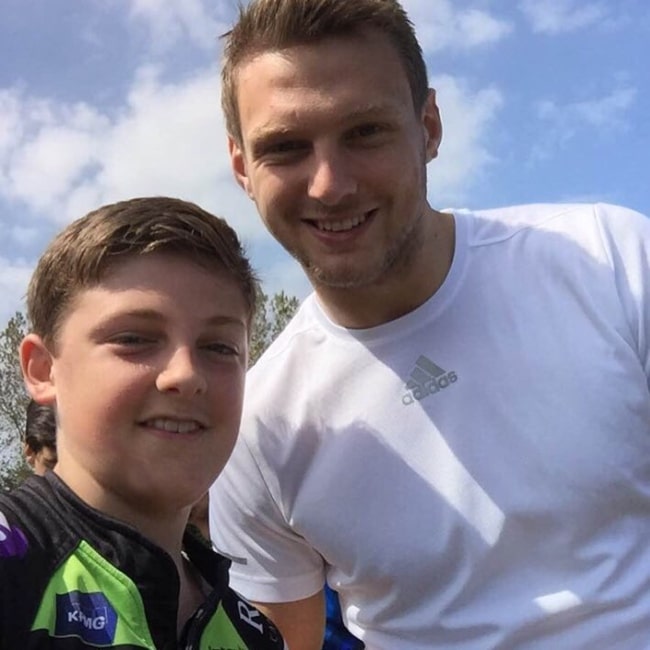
<point>147,379</point>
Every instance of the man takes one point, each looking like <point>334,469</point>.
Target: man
<point>40,438</point>
<point>454,431</point>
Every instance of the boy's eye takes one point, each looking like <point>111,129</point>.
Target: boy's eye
<point>130,339</point>
<point>222,348</point>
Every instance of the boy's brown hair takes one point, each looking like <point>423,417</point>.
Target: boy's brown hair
<point>81,255</point>
<point>271,25</point>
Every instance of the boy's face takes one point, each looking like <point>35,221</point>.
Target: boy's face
<point>148,381</point>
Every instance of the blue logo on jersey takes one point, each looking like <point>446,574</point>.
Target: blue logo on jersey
<point>89,617</point>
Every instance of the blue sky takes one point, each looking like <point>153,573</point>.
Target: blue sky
<point>101,100</point>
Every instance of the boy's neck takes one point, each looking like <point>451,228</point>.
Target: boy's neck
<point>163,527</point>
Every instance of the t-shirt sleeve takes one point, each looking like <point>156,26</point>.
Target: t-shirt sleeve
<point>270,561</point>
<point>626,237</point>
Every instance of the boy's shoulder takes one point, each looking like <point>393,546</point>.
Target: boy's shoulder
<point>33,516</point>
<point>29,553</point>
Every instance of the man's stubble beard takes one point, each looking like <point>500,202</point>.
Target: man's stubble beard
<point>396,261</point>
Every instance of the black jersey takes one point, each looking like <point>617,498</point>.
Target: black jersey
<point>72,578</point>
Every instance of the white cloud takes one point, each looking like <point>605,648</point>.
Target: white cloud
<point>167,139</point>
<point>10,120</point>
<point>14,277</point>
<point>464,154</point>
<point>170,21</point>
<point>605,114</point>
<point>52,161</point>
<point>24,236</point>
<point>441,25</point>
<point>559,16</point>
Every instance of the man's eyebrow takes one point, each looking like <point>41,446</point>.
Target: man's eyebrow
<point>264,136</point>
<point>372,111</point>
<point>269,133</point>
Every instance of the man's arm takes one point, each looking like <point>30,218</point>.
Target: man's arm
<point>301,622</point>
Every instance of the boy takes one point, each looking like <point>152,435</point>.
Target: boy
<point>140,312</point>
<point>40,438</point>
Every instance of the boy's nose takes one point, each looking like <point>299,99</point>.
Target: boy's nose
<point>181,374</point>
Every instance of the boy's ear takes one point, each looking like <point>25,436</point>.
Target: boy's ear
<point>36,364</point>
<point>238,165</point>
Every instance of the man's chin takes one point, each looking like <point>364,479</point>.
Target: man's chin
<point>337,278</point>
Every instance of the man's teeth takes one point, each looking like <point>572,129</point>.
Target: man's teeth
<point>338,226</point>
<point>174,426</point>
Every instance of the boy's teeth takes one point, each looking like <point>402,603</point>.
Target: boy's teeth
<point>174,426</point>
<point>338,226</point>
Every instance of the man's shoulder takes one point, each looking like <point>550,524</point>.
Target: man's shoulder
<point>574,220</point>
<point>525,215</point>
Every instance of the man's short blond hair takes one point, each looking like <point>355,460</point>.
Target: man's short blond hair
<point>272,25</point>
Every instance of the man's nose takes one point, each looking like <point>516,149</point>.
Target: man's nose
<point>331,179</point>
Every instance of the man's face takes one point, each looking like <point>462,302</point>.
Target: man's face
<point>148,379</point>
<point>333,153</point>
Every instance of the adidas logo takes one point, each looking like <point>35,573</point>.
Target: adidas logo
<point>427,378</point>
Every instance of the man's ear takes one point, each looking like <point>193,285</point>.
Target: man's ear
<point>238,165</point>
<point>432,126</point>
<point>36,364</point>
<point>30,455</point>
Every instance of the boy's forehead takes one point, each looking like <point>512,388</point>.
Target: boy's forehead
<point>175,275</point>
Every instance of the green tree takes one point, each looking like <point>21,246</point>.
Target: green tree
<point>13,402</point>
<point>272,316</point>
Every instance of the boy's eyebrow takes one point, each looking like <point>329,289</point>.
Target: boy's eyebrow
<point>155,316</point>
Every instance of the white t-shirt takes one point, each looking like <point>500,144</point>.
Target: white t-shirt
<point>475,474</point>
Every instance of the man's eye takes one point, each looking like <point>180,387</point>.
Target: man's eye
<point>364,131</point>
<point>286,146</point>
<point>283,149</point>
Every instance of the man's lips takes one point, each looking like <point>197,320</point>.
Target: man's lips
<point>342,225</point>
